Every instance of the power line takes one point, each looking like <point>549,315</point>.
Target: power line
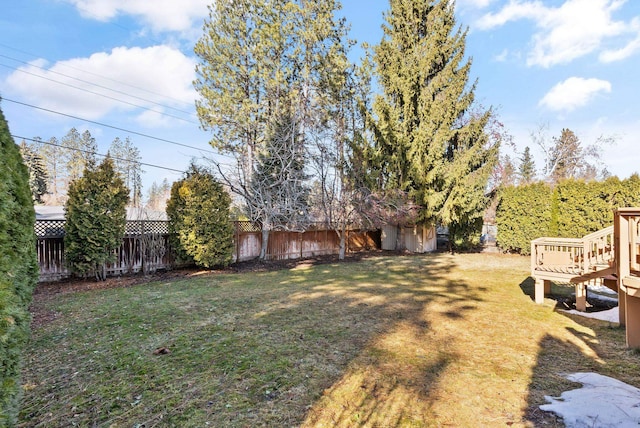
<point>93,84</point>
<point>111,126</point>
<point>96,153</point>
<point>62,64</point>
<point>98,94</point>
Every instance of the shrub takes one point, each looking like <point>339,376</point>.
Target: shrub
<point>199,223</point>
<point>95,219</point>
<point>18,270</point>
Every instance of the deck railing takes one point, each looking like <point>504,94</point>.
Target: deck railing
<point>573,256</point>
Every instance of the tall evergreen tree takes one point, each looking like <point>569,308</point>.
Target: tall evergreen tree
<point>37,172</point>
<point>527,167</point>
<point>18,271</point>
<point>95,219</point>
<point>158,195</point>
<point>54,159</point>
<point>429,141</point>
<point>126,159</point>
<point>80,153</point>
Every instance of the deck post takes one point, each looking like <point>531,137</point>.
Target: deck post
<point>581,296</point>
<point>622,305</point>
<point>632,314</point>
<point>542,288</point>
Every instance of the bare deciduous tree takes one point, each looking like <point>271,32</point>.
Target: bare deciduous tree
<point>567,157</point>
<point>275,189</point>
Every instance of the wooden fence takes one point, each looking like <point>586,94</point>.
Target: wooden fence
<point>146,248</point>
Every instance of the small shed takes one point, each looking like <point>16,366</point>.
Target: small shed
<point>416,238</point>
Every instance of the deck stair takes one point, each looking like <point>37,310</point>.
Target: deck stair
<point>579,261</point>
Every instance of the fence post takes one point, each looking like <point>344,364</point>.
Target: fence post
<point>143,249</point>
<point>237,226</point>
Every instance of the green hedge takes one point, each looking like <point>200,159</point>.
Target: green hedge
<point>571,209</point>
<point>18,270</point>
<point>524,214</point>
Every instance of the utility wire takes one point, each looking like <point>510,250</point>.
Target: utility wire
<point>93,84</point>
<point>98,94</point>
<point>97,75</point>
<point>96,153</point>
<point>111,126</point>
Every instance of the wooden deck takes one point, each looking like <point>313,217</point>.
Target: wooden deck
<point>610,257</point>
<point>579,261</point>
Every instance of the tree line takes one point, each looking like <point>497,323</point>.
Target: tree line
<point>563,157</point>
<point>54,164</point>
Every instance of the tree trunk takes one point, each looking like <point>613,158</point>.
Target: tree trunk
<point>265,243</point>
<point>343,244</point>
<point>400,238</point>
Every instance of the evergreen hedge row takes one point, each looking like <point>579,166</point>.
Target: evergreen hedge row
<point>570,209</point>
<point>18,270</point>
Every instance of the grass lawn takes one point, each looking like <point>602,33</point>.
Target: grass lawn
<point>390,341</point>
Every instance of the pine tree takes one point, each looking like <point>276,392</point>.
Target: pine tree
<point>95,219</point>
<point>54,159</point>
<point>126,158</point>
<point>527,168</point>
<point>158,195</point>
<point>430,141</point>
<point>80,151</point>
<point>18,270</point>
<point>37,172</point>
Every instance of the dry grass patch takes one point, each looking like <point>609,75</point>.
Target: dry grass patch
<point>432,340</point>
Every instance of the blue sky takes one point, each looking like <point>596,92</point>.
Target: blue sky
<point>129,64</point>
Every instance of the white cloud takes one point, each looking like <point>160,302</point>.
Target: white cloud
<point>626,51</point>
<point>513,11</point>
<point>479,4</point>
<point>160,15</point>
<point>157,77</point>
<point>502,56</point>
<point>573,93</point>
<point>575,29</point>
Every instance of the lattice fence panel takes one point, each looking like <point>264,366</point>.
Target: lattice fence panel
<point>247,227</point>
<point>138,227</point>
<point>49,228</point>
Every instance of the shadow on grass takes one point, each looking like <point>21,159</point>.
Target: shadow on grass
<point>366,338</point>
<point>599,348</point>
<point>528,288</point>
<point>327,345</point>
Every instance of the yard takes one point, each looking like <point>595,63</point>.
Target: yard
<point>429,340</point>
